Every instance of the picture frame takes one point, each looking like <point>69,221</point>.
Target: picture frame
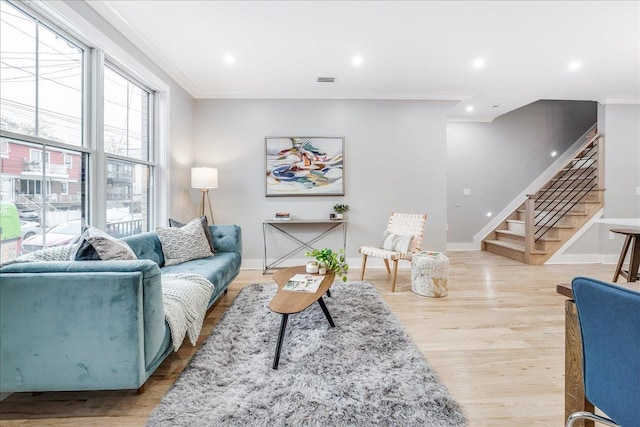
<point>304,166</point>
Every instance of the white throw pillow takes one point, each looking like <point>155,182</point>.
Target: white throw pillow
<point>395,242</point>
<point>184,244</point>
<point>205,227</point>
<point>94,244</point>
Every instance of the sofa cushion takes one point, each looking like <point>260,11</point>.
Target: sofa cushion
<point>184,244</point>
<point>219,269</point>
<point>96,245</point>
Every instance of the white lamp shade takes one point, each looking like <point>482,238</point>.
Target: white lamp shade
<point>204,178</point>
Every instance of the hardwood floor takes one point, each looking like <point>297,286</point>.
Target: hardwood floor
<point>496,341</point>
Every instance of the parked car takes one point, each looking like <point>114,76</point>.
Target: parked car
<point>29,229</point>
<point>61,234</point>
<point>29,216</point>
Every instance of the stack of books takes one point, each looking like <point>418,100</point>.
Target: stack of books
<point>282,216</point>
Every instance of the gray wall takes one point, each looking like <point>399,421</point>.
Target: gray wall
<point>498,160</point>
<point>395,160</point>
<point>620,125</point>
<point>180,120</point>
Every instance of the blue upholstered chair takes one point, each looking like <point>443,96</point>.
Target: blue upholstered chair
<point>610,327</point>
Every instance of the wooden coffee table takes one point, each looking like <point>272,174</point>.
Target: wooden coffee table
<point>287,302</point>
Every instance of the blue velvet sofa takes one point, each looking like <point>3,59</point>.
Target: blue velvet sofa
<point>97,325</point>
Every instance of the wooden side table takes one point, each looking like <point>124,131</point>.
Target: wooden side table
<point>632,240</point>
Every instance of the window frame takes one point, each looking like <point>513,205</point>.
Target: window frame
<point>99,48</point>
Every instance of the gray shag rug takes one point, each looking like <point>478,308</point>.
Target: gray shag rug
<point>365,371</point>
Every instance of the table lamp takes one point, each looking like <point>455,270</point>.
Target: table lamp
<point>205,178</point>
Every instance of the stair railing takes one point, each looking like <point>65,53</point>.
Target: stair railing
<point>554,201</point>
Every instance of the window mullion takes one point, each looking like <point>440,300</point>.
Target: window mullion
<point>97,169</point>
<point>37,81</point>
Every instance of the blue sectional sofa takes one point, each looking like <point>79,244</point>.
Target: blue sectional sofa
<point>97,325</point>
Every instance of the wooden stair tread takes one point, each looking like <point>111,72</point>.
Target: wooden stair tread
<point>571,213</point>
<point>573,178</point>
<point>565,227</point>
<point>513,246</point>
<point>576,190</point>
<point>515,234</point>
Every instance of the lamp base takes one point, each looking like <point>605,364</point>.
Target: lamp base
<point>205,195</point>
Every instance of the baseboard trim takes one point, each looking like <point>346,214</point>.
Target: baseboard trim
<point>457,247</point>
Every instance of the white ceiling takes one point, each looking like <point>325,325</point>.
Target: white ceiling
<point>409,50</point>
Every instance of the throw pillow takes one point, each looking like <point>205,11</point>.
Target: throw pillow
<point>184,244</point>
<point>97,245</point>
<point>396,242</point>
<point>205,227</point>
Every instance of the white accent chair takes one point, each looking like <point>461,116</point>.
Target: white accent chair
<point>400,224</point>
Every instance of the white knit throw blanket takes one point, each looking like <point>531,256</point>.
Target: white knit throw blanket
<point>186,298</point>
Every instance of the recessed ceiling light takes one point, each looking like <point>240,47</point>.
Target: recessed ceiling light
<point>479,63</point>
<point>229,59</point>
<point>574,65</point>
<point>489,214</point>
<point>469,108</point>
<point>357,60</point>
<point>554,153</point>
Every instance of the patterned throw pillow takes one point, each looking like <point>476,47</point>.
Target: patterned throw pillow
<point>184,244</point>
<point>97,245</point>
<point>395,242</point>
<point>205,227</point>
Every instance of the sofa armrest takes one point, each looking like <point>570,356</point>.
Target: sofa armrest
<point>81,325</point>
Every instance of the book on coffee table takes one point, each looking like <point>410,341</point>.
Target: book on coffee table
<point>303,283</point>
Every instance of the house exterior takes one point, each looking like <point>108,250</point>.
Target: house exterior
<point>31,177</point>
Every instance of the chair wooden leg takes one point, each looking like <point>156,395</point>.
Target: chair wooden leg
<point>395,274</point>
<point>364,264</point>
<point>386,264</point>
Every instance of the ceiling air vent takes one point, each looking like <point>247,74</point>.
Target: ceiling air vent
<point>326,79</point>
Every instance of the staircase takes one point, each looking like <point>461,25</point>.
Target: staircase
<point>34,203</point>
<point>552,215</point>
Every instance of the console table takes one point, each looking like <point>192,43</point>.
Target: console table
<point>287,227</point>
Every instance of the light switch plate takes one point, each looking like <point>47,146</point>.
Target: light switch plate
<point>466,191</point>
<point>612,236</point>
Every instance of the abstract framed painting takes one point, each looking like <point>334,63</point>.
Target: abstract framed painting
<point>304,166</point>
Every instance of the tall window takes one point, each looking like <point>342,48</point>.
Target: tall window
<point>126,144</point>
<point>46,151</point>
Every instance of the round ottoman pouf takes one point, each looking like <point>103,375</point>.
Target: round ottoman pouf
<point>430,274</point>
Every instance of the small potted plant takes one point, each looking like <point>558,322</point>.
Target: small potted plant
<point>331,261</point>
<point>340,210</point>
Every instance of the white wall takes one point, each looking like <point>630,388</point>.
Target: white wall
<point>395,160</point>
<point>498,160</point>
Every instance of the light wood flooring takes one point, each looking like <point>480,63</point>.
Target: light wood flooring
<point>496,341</point>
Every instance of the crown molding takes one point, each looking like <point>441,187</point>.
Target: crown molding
<point>109,13</point>
<point>630,100</point>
